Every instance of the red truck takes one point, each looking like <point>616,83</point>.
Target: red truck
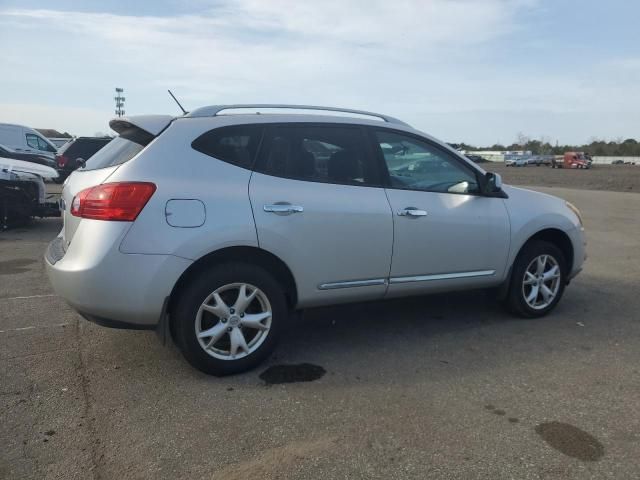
<point>573,160</point>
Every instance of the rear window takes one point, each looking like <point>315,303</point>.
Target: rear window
<point>236,144</point>
<point>83,148</point>
<point>120,150</point>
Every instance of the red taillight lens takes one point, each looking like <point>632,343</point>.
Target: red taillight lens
<point>62,160</point>
<point>113,201</point>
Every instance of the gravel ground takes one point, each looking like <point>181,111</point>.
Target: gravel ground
<point>614,178</point>
<point>447,386</point>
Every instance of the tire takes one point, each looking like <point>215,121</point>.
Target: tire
<point>190,319</point>
<point>543,303</point>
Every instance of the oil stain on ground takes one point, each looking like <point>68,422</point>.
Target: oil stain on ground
<point>303,372</point>
<point>17,265</point>
<point>497,411</point>
<point>571,441</point>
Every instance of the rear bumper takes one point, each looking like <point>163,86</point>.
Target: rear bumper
<point>112,288</point>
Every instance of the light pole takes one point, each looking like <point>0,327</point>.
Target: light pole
<point>119,102</point>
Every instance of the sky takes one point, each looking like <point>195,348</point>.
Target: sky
<point>478,71</point>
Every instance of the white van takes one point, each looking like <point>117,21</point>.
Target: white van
<point>25,139</point>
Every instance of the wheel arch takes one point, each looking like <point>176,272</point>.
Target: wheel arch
<point>552,235</point>
<point>242,254</point>
<point>556,237</point>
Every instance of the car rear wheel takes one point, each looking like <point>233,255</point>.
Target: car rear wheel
<point>229,318</point>
<point>538,280</point>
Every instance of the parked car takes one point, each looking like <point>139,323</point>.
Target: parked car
<point>516,162</point>
<point>6,152</point>
<point>23,193</point>
<point>25,139</point>
<point>214,227</point>
<point>73,154</point>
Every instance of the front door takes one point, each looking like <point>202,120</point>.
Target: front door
<point>446,235</point>
<point>318,205</point>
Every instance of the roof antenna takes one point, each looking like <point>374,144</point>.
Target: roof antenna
<point>176,100</point>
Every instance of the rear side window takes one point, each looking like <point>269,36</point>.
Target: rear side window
<point>318,153</point>
<point>120,150</point>
<point>237,144</point>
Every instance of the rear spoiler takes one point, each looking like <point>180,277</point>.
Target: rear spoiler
<point>149,124</point>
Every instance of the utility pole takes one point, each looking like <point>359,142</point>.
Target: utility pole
<point>119,101</point>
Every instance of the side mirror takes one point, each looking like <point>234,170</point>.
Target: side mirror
<point>80,162</point>
<point>492,183</point>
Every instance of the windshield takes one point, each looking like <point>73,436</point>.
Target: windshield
<point>120,150</point>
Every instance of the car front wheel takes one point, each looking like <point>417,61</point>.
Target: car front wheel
<point>537,280</point>
<point>229,318</point>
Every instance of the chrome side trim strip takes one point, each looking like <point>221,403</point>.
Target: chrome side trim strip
<point>353,283</point>
<point>442,276</point>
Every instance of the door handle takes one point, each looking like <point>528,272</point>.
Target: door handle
<point>283,208</point>
<point>412,212</point>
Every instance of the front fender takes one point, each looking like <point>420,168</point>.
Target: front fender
<point>532,212</point>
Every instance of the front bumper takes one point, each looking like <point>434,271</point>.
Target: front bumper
<point>579,241</point>
<point>112,288</point>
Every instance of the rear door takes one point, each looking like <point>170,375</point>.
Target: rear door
<point>318,206</point>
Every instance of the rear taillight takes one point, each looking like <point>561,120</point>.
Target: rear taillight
<point>62,160</point>
<point>113,201</point>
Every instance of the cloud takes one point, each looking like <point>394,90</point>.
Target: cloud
<point>250,49</point>
<point>426,61</point>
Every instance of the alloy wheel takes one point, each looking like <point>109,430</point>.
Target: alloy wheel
<point>541,282</point>
<point>233,321</point>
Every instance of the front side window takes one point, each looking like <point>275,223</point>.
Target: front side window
<point>42,145</point>
<point>318,153</point>
<point>32,141</point>
<point>417,165</point>
<point>236,144</point>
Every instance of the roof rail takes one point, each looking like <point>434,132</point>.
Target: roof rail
<point>214,110</point>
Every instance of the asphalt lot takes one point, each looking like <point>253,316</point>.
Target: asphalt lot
<point>432,387</point>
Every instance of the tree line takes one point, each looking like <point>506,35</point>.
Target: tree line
<point>619,147</point>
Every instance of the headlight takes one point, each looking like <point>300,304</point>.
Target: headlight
<point>575,210</point>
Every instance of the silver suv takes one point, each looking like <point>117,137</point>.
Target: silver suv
<point>214,226</point>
